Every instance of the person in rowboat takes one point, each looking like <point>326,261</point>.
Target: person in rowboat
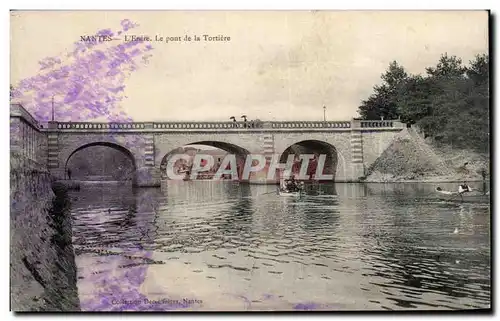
<point>464,188</point>
<point>291,185</point>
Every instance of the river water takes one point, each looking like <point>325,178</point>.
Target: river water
<point>226,246</point>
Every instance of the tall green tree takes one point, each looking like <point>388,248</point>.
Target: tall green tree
<point>460,103</point>
<point>447,67</point>
<point>450,102</point>
<point>478,70</point>
<point>384,102</point>
<point>478,101</point>
<point>444,86</point>
<point>414,101</point>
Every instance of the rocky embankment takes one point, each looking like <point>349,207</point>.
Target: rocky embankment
<point>412,158</point>
<point>42,262</point>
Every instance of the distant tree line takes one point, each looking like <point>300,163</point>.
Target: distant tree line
<point>450,103</point>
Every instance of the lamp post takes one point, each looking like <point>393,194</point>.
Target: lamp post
<point>324,113</point>
<point>52,107</point>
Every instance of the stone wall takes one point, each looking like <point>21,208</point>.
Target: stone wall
<point>42,262</point>
<point>26,137</point>
<point>375,143</point>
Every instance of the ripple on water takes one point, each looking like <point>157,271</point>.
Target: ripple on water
<point>392,251</point>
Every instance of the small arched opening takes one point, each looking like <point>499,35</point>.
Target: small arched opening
<point>101,161</point>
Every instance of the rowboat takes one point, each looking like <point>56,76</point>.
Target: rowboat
<point>283,191</point>
<point>472,196</point>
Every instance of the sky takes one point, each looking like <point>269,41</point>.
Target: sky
<point>277,66</point>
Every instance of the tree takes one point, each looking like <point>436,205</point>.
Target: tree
<point>478,71</point>
<point>395,75</point>
<point>384,102</point>
<point>478,100</point>
<point>447,67</point>
<point>450,102</point>
<point>414,101</point>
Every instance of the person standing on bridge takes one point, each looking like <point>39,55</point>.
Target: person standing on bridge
<point>69,173</point>
<point>234,121</point>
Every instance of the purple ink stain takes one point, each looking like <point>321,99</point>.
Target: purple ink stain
<point>306,306</point>
<point>92,73</point>
<point>267,296</point>
<point>88,84</point>
<point>120,293</point>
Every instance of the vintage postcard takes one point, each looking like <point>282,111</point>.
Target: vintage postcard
<point>250,161</point>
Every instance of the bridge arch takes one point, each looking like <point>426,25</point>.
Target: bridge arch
<point>228,147</point>
<point>114,146</point>
<point>240,153</point>
<point>335,163</point>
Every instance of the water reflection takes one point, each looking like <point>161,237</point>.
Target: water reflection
<point>231,246</point>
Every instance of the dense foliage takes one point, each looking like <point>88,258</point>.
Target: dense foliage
<point>450,103</point>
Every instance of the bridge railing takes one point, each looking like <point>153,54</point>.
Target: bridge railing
<point>310,124</point>
<point>379,123</point>
<point>92,125</point>
<point>156,125</point>
<point>272,125</point>
<point>206,125</point>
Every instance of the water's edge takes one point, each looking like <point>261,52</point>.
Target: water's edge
<point>42,261</point>
<point>43,267</point>
<point>237,247</point>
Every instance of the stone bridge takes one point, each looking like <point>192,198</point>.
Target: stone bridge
<point>353,145</point>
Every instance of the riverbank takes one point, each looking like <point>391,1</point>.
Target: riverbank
<point>42,261</point>
<point>79,184</point>
<point>411,158</point>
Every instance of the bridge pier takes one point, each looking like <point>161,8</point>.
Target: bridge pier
<point>357,157</point>
<point>58,174</point>
<point>358,171</point>
<point>147,176</point>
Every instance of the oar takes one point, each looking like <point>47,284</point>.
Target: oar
<point>276,192</point>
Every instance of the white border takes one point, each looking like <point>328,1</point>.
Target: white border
<point>189,5</point>
<point>255,4</point>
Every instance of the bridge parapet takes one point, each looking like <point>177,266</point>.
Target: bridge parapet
<point>17,110</point>
<point>311,124</point>
<point>218,126</point>
<point>381,124</point>
<point>26,139</point>
<point>133,126</point>
<point>204,125</point>
<point>92,125</point>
